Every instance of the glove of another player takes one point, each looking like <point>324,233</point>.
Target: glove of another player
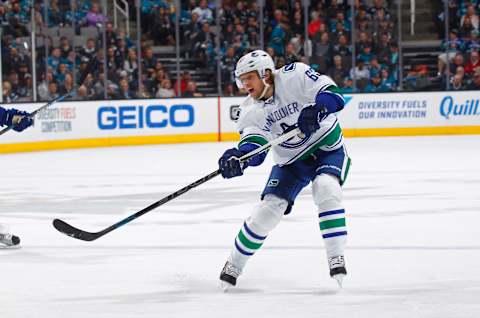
<point>310,118</point>
<point>230,165</point>
<point>20,120</point>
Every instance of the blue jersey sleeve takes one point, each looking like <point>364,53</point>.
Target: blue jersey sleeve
<point>331,99</point>
<point>3,116</point>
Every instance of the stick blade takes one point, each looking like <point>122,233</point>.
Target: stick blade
<point>72,231</point>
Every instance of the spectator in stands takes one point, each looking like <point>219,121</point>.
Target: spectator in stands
<point>417,77</point>
<point>94,16</point>
<point>322,51</point>
<point>52,90</point>
<point>125,92</point>
<point>55,15</point>
<point>375,66</point>
<point>163,31</point>
<point>42,88</point>
<point>290,55</point>
<point>13,60</point>
<point>278,38</point>
<point>82,93</point>
<point>149,60</point>
<point>458,62</point>
<point>475,84</point>
<point>393,57</point>
<point>297,24</point>
<point>192,91</point>
<point>24,88</point>
<point>472,43</point>
<point>471,16</point>
<point>361,74</point>
<point>88,51</point>
<point>60,72</point>
<point>342,48</point>
<point>388,81</point>
<point>457,83</point>
<point>454,45</point>
<point>112,37</point>
<point>337,72</point>
<point>365,55</point>
<point>228,65</point>
<point>65,48</point>
<point>8,95</point>
<point>252,31</point>
<point>204,44</point>
<point>473,63</point>
<point>204,13</point>
<point>67,85</point>
<point>375,85</point>
<point>131,65</point>
<point>315,24</point>
<point>347,86</point>
<point>184,79</point>
<point>166,90</point>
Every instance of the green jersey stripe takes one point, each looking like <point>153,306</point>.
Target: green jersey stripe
<point>332,223</point>
<point>256,139</point>
<point>249,244</point>
<point>329,140</point>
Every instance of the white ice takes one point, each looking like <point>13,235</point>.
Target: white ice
<point>413,215</point>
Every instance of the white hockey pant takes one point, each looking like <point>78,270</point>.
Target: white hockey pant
<point>265,217</point>
<point>327,194</point>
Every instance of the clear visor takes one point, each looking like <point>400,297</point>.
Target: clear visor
<point>239,82</point>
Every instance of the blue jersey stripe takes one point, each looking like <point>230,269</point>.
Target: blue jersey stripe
<point>334,234</point>
<point>250,232</point>
<point>322,214</point>
<point>241,250</point>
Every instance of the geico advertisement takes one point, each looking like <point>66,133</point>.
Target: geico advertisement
<point>76,120</point>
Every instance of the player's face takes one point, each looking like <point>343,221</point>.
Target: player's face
<point>252,83</point>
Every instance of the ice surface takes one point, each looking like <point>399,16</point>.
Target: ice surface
<point>413,215</point>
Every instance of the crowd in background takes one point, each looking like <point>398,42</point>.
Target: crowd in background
<point>71,64</point>
<point>463,45</point>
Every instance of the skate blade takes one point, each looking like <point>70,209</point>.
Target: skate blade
<point>339,279</point>
<point>225,286</point>
<point>10,247</point>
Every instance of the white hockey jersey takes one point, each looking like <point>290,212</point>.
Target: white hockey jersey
<point>296,86</point>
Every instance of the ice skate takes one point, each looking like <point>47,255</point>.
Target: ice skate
<point>337,268</point>
<point>229,275</point>
<point>8,240</point>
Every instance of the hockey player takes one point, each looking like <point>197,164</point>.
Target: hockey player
<point>20,120</point>
<point>280,100</point>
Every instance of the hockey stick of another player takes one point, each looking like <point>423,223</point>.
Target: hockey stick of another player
<point>74,232</point>
<point>50,103</point>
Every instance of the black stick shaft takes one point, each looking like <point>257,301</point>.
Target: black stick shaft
<point>89,236</point>
<point>161,202</point>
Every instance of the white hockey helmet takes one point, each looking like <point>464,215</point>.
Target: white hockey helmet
<point>257,60</point>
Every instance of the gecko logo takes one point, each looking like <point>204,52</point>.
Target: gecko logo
<point>272,183</point>
<point>151,116</point>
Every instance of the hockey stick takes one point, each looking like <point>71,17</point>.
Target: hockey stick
<point>50,103</point>
<point>74,232</point>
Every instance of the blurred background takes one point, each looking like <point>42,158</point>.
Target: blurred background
<point>119,49</point>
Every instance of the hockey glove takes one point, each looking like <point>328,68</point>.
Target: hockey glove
<point>310,118</point>
<point>18,119</point>
<point>230,164</point>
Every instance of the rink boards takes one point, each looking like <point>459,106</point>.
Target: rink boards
<point>154,121</point>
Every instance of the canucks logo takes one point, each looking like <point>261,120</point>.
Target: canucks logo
<point>272,183</point>
<point>288,68</point>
